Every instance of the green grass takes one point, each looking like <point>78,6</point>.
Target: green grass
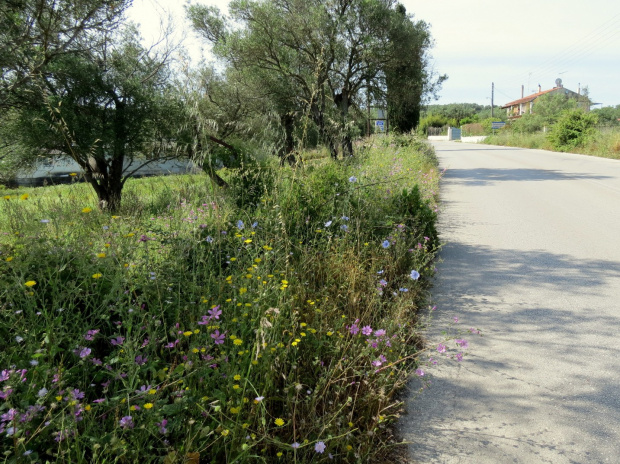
<point>606,143</point>
<point>188,325</point>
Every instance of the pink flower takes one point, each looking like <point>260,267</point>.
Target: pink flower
<point>367,330</point>
<point>320,447</point>
<point>218,337</point>
<point>441,348</point>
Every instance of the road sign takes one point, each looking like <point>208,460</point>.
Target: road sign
<point>380,125</point>
<point>497,124</point>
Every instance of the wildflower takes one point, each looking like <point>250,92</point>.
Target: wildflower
<point>19,339</point>
<point>328,223</point>
<point>415,275</point>
<point>126,422</point>
<point>420,372</point>
<point>209,239</point>
<point>225,432</point>
<point>240,225</point>
<point>30,283</point>
<point>84,352</point>
<point>73,174</point>
<point>188,333</point>
<point>44,221</point>
<point>41,393</point>
<point>385,244</point>
<point>100,255</point>
<point>354,329</point>
<point>148,406</point>
<point>215,312</point>
<point>344,227</point>
<point>456,319</point>
<point>462,343</point>
<point>367,330</point>
<point>24,196</point>
<point>379,333</point>
<point>100,400</point>
<point>90,335</point>
<point>218,337</point>
<point>162,426</point>
<point>140,360</point>
<point>97,276</point>
<point>320,447</point>
<point>279,422</point>
<point>117,341</point>
<point>441,348</point>
<point>258,399</point>
<point>383,282</point>
<point>87,210</point>
<point>352,179</point>
<point>295,445</point>
<point>238,341</point>
<point>9,259</point>
<point>459,357</point>
<point>172,344</point>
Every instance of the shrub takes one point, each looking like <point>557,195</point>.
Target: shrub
<point>573,129</point>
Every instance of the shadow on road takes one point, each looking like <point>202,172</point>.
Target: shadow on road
<point>486,176</point>
<point>574,381</point>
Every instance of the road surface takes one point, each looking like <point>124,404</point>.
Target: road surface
<point>532,259</point>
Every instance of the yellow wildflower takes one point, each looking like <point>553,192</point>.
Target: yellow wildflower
<point>100,255</point>
<point>97,276</point>
<point>237,377</point>
<point>24,196</point>
<point>279,422</point>
<point>87,210</point>
<point>148,406</point>
<point>238,341</point>
<point>30,283</point>
<point>9,259</point>
<point>188,333</point>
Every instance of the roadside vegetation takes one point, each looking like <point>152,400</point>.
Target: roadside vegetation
<point>218,324</point>
<point>560,125</point>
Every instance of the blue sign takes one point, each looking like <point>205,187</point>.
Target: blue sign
<point>497,124</point>
<point>380,125</point>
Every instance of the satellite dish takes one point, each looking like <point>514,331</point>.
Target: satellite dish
<point>558,82</point>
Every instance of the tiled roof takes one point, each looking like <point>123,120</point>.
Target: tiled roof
<point>529,98</point>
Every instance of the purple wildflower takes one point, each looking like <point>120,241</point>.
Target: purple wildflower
<point>90,335</point>
<point>126,422</point>
<point>85,352</point>
<point>383,282</point>
<point>367,330</point>
<point>354,329</point>
<point>215,312</point>
<point>320,447</point>
<point>459,357</point>
<point>295,445</point>
<point>140,360</point>
<point>462,343</point>
<point>441,348</point>
<point>96,361</point>
<point>162,426</point>
<point>117,341</point>
<point>420,372</point>
<point>379,333</point>
<point>218,338</point>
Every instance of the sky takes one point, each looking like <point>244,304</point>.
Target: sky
<point>482,42</point>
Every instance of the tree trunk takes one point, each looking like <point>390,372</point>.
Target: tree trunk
<point>287,152</point>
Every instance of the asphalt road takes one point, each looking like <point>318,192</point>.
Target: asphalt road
<point>532,259</point>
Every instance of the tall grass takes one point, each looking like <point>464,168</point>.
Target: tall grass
<point>605,143</point>
<point>190,328</point>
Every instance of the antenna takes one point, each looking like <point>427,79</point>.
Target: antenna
<point>558,82</point>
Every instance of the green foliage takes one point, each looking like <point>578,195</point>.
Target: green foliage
<point>608,115</point>
<point>573,129</point>
<point>434,121</point>
<point>186,326</point>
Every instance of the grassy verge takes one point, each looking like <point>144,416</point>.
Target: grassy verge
<point>605,144</point>
<point>276,319</point>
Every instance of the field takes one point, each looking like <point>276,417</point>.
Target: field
<point>274,319</point>
<point>605,143</point>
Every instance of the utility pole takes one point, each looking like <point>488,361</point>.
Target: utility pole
<point>492,95</point>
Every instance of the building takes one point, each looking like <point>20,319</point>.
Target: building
<point>515,109</point>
